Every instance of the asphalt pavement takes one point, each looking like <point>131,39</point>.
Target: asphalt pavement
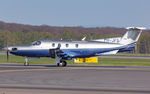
<point>46,79</point>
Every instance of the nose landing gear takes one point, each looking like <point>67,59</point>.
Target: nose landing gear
<point>26,62</point>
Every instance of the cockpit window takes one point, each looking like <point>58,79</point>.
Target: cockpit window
<point>36,43</point>
<point>14,49</point>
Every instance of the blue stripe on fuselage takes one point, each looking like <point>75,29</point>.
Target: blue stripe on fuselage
<point>127,49</point>
<point>69,52</point>
<point>32,53</point>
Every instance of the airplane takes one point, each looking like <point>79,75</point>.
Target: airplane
<point>62,50</point>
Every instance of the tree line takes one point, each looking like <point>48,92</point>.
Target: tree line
<point>19,37</point>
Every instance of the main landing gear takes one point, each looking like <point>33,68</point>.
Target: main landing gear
<point>58,59</point>
<point>26,62</point>
<point>60,62</point>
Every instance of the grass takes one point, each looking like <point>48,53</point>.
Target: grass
<point>130,54</point>
<point>19,59</point>
<point>102,61</point>
<point>124,62</point>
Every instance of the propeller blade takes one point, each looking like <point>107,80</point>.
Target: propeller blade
<point>7,55</point>
<point>7,50</point>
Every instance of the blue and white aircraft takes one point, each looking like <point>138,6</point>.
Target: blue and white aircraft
<point>63,50</point>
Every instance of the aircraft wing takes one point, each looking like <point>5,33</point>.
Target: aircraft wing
<point>69,53</point>
<point>65,54</point>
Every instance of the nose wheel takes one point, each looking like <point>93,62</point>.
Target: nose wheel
<point>62,64</point>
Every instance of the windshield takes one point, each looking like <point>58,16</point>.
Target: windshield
<point>36,43</point>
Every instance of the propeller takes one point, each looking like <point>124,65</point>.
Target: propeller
<point>7,52</point>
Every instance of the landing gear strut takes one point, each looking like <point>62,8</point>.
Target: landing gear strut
<point>26,62</point>
<point>62,64</point>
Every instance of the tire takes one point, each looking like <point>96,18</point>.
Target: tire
<point>65,63</point>
<point>62,64</point>
<point>58,65</point>
<point>26,64</point>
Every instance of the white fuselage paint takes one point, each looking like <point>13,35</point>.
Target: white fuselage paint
<point>71,45</point>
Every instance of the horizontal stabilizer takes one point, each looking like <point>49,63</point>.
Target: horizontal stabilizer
<point>136,28</point>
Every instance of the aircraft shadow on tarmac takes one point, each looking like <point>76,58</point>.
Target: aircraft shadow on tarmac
<point>69,66</point>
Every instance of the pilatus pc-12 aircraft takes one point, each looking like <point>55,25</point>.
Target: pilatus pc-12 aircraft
<point>63,50</point>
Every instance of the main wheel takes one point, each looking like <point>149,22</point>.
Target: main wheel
<point>57,65</point>
<point>26,64</point>
<point>62,64</point>
<point>65,63</point>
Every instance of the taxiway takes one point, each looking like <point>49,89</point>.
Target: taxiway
<point>45,79</point>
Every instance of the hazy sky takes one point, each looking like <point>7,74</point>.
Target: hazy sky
<point>118,13</point>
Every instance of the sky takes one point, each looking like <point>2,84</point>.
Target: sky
<point>86,13</point>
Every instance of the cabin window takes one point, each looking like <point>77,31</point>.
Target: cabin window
<point>76,45</point>
<point>53,44</point>
<point>67,45</point>
<point>59,45</point>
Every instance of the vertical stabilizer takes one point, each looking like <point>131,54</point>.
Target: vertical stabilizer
<point>132,35</point>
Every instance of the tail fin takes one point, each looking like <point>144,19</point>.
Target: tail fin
<point>132,35</point>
